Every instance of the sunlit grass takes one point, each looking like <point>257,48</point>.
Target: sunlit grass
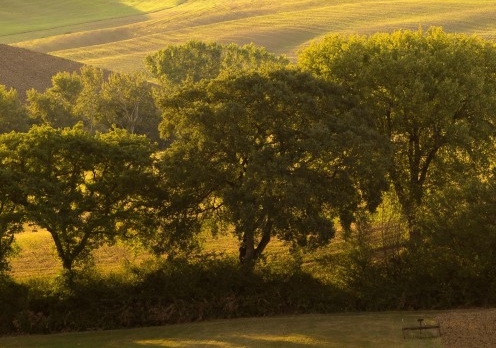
<point>282,26</point>
<point>28,16</point>
<point>37,257</point>
<point>340,330</point>
<point>27,20</point>
<point>150,5</point>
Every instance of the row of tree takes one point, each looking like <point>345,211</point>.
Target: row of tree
<point>248,140</point>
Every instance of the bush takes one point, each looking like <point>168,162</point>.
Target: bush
<point>13,300</point>
<point>170,292</point>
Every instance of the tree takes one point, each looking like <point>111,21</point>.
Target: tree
<point>100,101</point>
<point>13,116</point>
<point>86,104</point>
<point>271,153</point>
<point>84,190</point>
<point>460,229</point>
<point>126,101</point>
<point>196,60</point>
<point>432,96</point>
<point>11,214</point>
<point>55,106</point>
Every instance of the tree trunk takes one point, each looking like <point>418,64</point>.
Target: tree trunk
<point>247,250</point>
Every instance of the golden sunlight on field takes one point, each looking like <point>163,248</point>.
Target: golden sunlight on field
<point>282,27</point>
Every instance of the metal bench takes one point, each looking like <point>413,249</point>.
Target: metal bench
<point>421,326</point>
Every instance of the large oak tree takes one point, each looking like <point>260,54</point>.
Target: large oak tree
<point>272,153</point>
<point>84,189</point>
<point>432,95</point>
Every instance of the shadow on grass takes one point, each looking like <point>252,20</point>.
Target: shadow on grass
<point>26,17</point>
<point>338,330</point>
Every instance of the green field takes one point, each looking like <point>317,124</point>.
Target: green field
<point>119,34</point>
<point>28,17</point>
<point>340,330</point>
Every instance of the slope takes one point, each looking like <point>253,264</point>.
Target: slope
<point>23,69</point>
<point>283,26</point>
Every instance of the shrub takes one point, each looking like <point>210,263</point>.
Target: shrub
<point>170,292</point>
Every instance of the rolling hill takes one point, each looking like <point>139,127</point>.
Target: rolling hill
<point>118,34</point>
<point>23,69</point>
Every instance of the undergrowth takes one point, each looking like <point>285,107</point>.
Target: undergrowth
<point>163,293</point>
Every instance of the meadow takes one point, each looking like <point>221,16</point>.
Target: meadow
<point>36,255</point>
<point>118,35</point>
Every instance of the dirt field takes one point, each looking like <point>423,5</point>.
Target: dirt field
<point>23,69</point>
<point>468,328</point>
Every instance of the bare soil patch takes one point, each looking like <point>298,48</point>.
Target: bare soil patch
<point>23,69</point>
<point>468,328</point>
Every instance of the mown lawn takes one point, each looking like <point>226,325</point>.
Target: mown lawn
<point>339,330</point>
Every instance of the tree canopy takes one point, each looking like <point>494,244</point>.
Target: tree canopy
<point>432,95</point>
<point>83,189</point>
<point>197,60</point>
<point>101,101</point>
<point>11,214</point>
<point>272,153</point>
<point>13,116</point>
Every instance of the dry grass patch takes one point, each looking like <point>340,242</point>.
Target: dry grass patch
<point>37,257</point>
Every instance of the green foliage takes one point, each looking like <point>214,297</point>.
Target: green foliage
<point>12,214</point>
<point>55,106</point>
<point>13,300</point>
<point>126,102</point>
<point>272,153</point>
<point>100,101</point>
<point>201,288</point>
<point>431,94</point>
<point>266,150</point>
<point>13,116</point>
<point>196,60</point>
<point>464,229</point>
<point>83,189</point>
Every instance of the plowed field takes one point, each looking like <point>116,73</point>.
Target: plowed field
<point>23,69</point>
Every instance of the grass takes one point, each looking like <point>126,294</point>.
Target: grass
<point>37,256</point>
<point>340,330</point>
<point>120,40</point>
<point>21,17</point>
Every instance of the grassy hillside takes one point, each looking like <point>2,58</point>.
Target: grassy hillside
<point>37,257</point>
<point>119,34</point>
<point>30,20</point>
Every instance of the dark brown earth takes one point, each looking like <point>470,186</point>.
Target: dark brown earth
<point>23,69</point>
<point>468,328</point>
